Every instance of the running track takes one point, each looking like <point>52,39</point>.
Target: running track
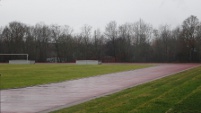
<point>45,98</point>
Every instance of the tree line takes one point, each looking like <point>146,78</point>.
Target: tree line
<point>129,42</point>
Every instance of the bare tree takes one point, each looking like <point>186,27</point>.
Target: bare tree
<point>83,43</point>
<point>30,42</point>
<point>189,34</point>
<point>124,43</point>
<point>198,42</point>
<point>165,35</point>
<point>42,36</point>
<point>165,44</point>
<point>111,33</point>
<point>142,35</point>
<point>56,33</point>
<point>98,42</point>
<point>14,36</point>
<point>136,42</point>
<point>1,43</point>
<point>86,34</point>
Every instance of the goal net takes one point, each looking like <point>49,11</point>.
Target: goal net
<point>7,57</point>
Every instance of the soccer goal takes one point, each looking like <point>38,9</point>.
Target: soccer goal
<point>24,59</point>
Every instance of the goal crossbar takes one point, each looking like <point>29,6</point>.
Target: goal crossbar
<point>27,55</point>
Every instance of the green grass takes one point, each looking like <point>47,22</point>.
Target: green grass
<point>179,93</point>
<point>15,76</point>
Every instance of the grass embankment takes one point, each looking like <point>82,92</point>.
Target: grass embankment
<point>180,93</point>
<point>15,76</point>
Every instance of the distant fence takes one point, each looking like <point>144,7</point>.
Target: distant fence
<point>21,62</point>
<point>93,62</point>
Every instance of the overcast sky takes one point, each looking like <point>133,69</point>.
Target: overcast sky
<point>98,13</point>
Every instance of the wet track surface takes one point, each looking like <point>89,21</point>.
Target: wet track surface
<point>45,98</point>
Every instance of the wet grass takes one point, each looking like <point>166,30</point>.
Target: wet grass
<point>17,76</point>
<point>179,93</point>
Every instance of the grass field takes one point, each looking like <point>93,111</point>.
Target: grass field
<point>180,93</point>
<point>15,76</point>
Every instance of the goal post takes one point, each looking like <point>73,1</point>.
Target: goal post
<point>22,61</point>
<point>27,55</point>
